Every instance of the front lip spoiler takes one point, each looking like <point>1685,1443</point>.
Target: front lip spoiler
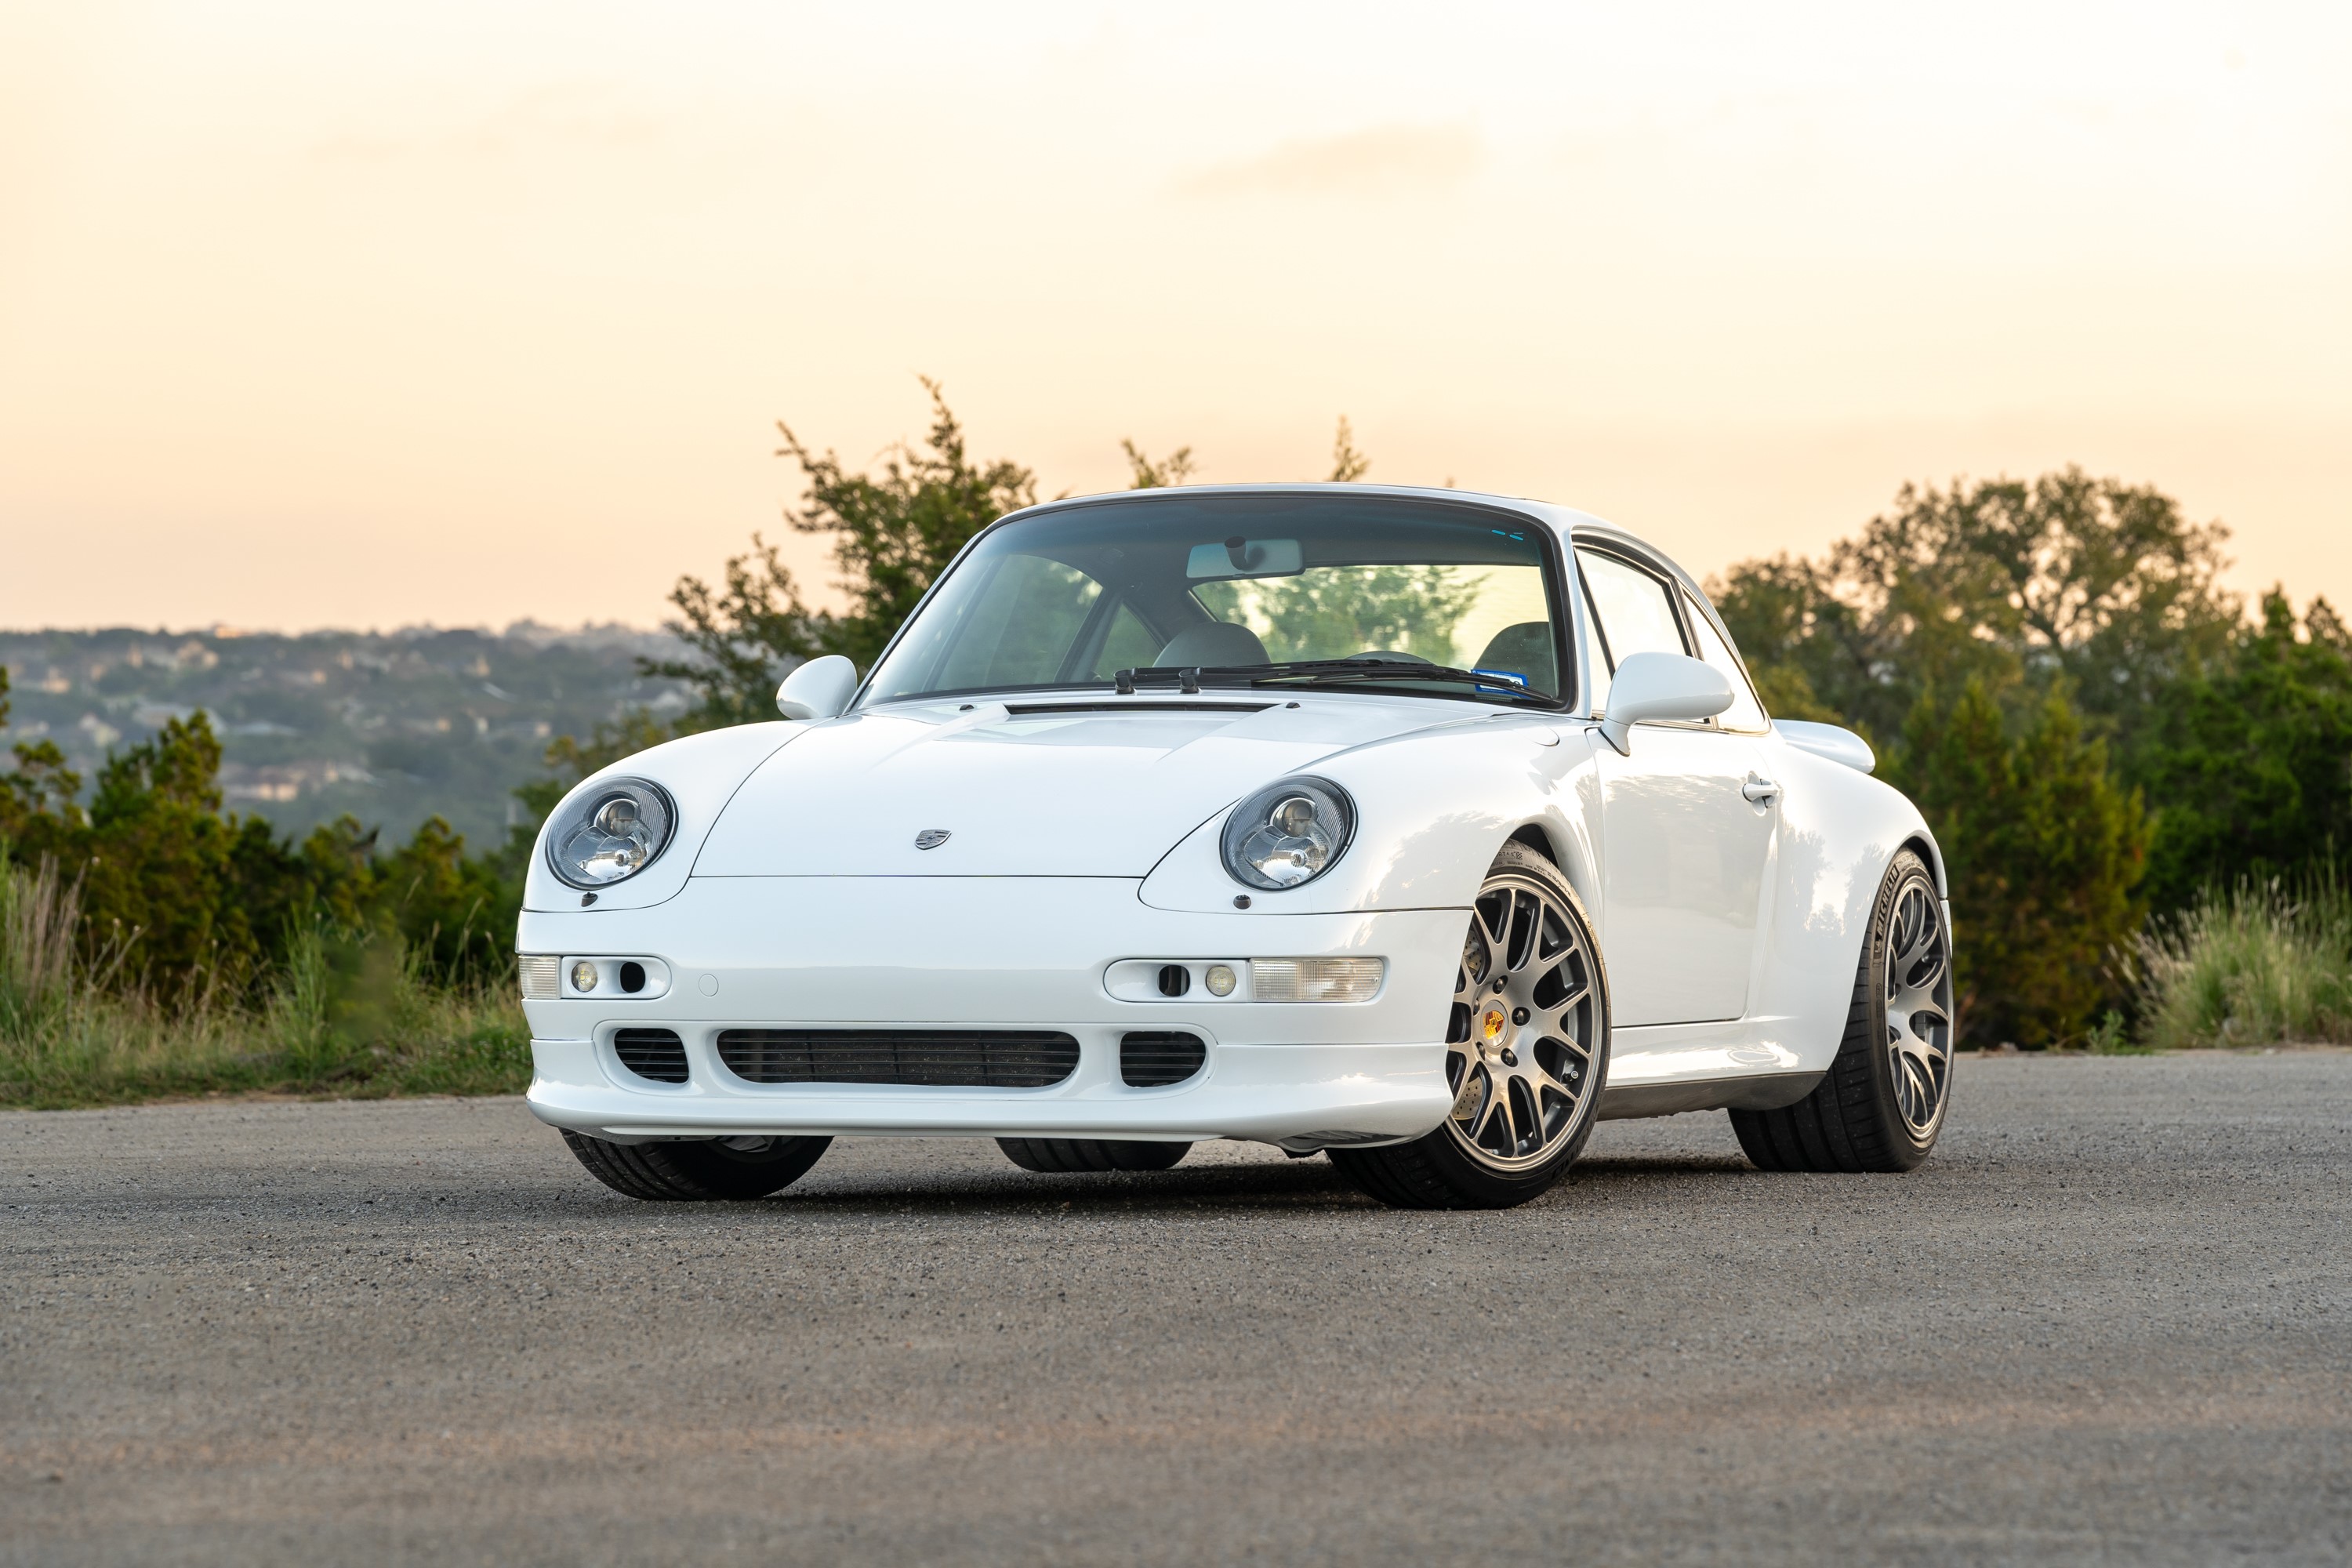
<point>1267,1092</point>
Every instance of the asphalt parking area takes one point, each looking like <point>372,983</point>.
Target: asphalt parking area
<point>2107,1323</point>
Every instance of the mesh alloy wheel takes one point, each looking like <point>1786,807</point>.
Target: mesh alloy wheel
<point>1884,1099</point>
<point>1526,1052</point>
<point>1519,1042</point>
<point>1918,1010</point>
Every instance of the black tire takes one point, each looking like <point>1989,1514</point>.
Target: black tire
<point>1553,991</point>
<point>1059,1156</point>
<point>1882,1101</point>
<point>699,1170</point>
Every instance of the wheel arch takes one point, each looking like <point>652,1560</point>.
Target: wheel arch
<point>1551,838</point>
<point>1536,837</point>
<point>1923,843</point>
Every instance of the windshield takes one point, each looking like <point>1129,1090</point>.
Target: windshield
<point>1245,588</point>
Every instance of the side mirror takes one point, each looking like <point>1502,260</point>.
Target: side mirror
<point>817,690</point>
<point>1653,686</point>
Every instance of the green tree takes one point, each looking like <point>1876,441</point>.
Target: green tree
<point>156,859</point>
<point>748,632</point>
<point>2044,851</point>
<point>893,533</point>
<point>1347,465</point>
<point>455,913</point>
<point>2250,761</point>
<point>1174,469</point>
<point>2102,587</point>
<point>181,899</point>
<point>36,796</point>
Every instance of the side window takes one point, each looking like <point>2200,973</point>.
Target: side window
<point>1022,628</point>
<point>1745,712</point>
<point>1595,651</point>
<point>1632,612</point>
<point>1636,615</point>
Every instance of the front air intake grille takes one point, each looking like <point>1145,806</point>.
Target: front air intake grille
<point>656,1054</point>
<point>940,1058</point>
<point>1154,1059</point>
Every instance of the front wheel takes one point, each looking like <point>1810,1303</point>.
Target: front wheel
<point>1526,1052</point>
<point>1882,1102</point>
<point>697,1170</point>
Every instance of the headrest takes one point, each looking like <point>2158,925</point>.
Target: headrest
<point>1525,650</point>
<point>1213,643</point>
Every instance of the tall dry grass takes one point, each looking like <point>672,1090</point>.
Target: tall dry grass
<point>2258,965</point>
<point>350,1013</point>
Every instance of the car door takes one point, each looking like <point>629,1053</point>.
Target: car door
<point>1687,819</point>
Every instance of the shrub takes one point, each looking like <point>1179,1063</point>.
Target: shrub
<point>2248,761</point>
<point>350,1012</point>
<point>2259,964</point>
<point>2044,851</point>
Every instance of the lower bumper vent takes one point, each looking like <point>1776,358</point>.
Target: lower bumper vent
<point>656,1054</point>
<point>1154,1058</point>
<point>941,1058</point>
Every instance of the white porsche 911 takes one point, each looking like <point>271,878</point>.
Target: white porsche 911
<point>1417,827</point>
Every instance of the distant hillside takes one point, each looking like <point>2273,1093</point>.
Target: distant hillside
<point>389,727</point>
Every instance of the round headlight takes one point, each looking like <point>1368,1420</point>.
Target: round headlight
<point>1288,834</point>
<point>610,832</point>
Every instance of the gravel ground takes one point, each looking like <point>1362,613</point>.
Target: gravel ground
<point>2107,1323</point>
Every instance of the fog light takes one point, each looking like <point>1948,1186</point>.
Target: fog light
<point>1219,980</point>
<point>1316,979</point>
<point>583,976</point>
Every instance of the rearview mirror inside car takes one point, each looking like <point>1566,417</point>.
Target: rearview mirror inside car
<point>1239,557</point>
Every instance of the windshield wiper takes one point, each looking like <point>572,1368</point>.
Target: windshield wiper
<point>1333,672</point>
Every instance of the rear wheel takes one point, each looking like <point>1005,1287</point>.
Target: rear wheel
<point>698,1169</point>
<point>1527,1051</point>
<point>1883,1100</point>
<point>1055,1156</point>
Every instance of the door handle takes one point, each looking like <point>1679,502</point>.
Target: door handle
<point>1759,792</point>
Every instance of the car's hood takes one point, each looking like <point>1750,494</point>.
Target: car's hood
<point>1040,789</point>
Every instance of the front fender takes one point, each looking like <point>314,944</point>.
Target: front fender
<point>701,773</point>
<point>1433,808</point>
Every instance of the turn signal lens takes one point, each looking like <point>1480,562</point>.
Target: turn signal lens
<point>539,973</point>
<point>1316,979</point>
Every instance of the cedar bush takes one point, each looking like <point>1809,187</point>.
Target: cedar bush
<point>2044,851</point>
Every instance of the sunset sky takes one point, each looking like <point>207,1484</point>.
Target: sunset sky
<point>363,314</point>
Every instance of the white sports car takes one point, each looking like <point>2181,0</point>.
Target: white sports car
<point>1416,827</point>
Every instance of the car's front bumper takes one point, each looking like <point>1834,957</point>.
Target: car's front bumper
<point>953,952</point>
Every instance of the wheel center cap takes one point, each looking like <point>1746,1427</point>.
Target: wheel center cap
<point>1493,1025</point>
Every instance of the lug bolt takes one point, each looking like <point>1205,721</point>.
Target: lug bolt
<point>1510,1058</point>
<point>1518,1014</point>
